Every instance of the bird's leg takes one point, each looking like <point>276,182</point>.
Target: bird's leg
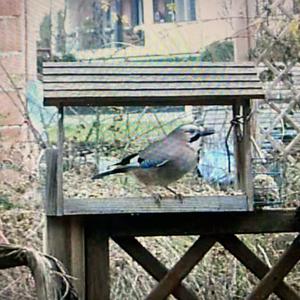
<point>177,195</point>
<point>157,197</point>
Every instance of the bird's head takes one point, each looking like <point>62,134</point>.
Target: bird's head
<point>191,133</point>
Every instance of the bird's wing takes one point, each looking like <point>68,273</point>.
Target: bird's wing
<point>137,161</point>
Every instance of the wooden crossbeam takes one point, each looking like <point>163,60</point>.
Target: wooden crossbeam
<point>238,249</point>
<point>182,268</point>
<point>153,266</point>
<point>271,280</point>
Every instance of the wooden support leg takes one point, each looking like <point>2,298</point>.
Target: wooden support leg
<point>77,255</point>
<point>65,241</point>
<point>182,268</point>
<point>238,249</point>
<point>97,264</point>
<point>152,265</point>
<point>271,280</point>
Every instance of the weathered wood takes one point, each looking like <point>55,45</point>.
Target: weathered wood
<point>121,100</point>
<point>60,151</point>
<point>182,268</point>
<point>65,241</point>
<point>97,264</point>
<point>149,78</point>
<point>77,254</point>
<point>105,70</point>
<point>237,138</point>
<point>164,85</point>
<point>246,154</point>
<point>271,280</point>
<point>149,83</point>
<point>57,239</point>
<point>237,248</point>
<point>198,223</point>
<point>147,64</point>
<point>160,97</point>
<point>149,205</point>
<point>152,265</point>
<point>51,182</point>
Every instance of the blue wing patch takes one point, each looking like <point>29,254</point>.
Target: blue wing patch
<point>147,163</point>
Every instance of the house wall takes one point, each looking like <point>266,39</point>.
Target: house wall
<point>171,38</point>
<point>19,29</point>
<point>12,62</point>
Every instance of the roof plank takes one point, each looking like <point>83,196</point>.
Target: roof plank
<point>149,71</point>
<point>52,78</point>
<point>150,86</point>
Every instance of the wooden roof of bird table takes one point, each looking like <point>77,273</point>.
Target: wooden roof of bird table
<point>145,83</point>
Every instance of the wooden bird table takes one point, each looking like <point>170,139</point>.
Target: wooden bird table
<point>78,230</point>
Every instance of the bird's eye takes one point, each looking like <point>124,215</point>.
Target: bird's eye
<point>191,131</point>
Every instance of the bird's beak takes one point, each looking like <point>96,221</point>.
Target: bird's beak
<point>206,131</point>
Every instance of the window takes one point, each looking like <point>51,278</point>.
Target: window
<point>166,11</point>
<point>296,6</point>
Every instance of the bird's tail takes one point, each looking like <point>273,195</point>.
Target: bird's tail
<point>119,169</point>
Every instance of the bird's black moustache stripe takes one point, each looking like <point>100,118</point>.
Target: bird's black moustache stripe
<point>195,137</point>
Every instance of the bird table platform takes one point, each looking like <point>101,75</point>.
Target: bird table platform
<point>78,229</point>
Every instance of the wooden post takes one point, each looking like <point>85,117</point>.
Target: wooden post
<point>77,254</point>
<point>242,146</point>
<point>237,138</point>
<point>287,261</point>
<point>51,182</point>
<point>57,239</point>
<point>65,241</point>
<point>247,155</point>
<point>60,149</point>
<point>97,264</point>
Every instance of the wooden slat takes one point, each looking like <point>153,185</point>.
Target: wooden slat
<point>149,101</point>
<point>150,78</point>
<point>182,268</point>
<point>156,93</point>
<point>97,264</point>
<point>237,248</point>
<point>149,205</point>
<point>60,150</point>
<point>128,86</point>
<point>146,64</point>
<point>269,221</point>
<point>277,273</point>
<point>148,71</point>
<point>152,265</point>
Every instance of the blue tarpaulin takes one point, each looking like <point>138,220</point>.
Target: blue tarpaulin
<point>214,166</point>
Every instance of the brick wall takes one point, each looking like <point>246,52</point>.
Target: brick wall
<point>13,130</point>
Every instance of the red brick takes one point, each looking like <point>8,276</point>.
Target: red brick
<point>10,114</point>
<point>10,34</point>
<point>14,66</point>
<point>11,7</point>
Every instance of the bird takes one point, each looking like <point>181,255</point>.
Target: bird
<point>164,161</point>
